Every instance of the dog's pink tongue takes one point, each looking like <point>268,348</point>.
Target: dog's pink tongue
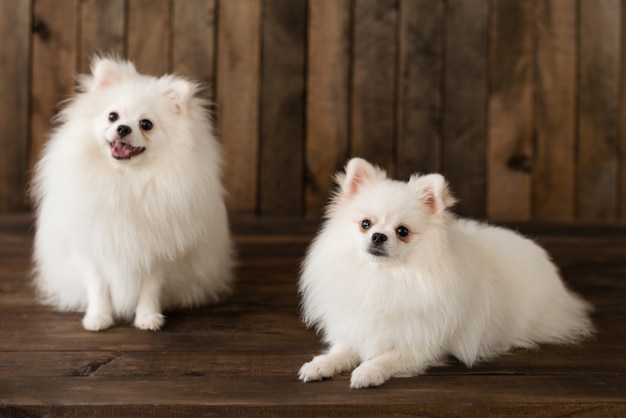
<point>121,149</point>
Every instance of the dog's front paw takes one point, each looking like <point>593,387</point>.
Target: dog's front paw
<point>316,369</point>
<point>97,322</point>
<point>367,375</point>
<point>149,322</point>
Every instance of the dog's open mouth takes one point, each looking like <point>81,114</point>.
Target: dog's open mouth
<point>121,150</point>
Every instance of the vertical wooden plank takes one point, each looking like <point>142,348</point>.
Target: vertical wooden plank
<point>55,59</point>
<point>238,69</point>
<point>282,108</point>
<point>14,63</point>
<point>327,98</point>
<point>149,35</point>
<point>622,163</point>
<point>420,76</point>
<point>598,106</point>
<point>103,28</point>
<point>555,111</point>
<point>373,81</point>
<point>465,104</point>
<point>510,130</point>
<point>193,45</point>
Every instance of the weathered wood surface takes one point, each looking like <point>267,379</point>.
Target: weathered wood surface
<point>237,98</point>
<point>598,123</point>
<point>103,30</point>
<point>555,111</point>
<point>194,41</point>
<point>419,86</point>
<point>373,90</point>
<point>520,104</point>
<point>150,47</point>
<point>14,19</point>
<point>464,116</point>
<point>241,357</point>
<point>327,98</point>
<point>510,148</point>
<point>282,101</point>
<point>54,58</point>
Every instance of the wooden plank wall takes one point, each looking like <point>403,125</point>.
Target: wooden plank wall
<point>521,104</point>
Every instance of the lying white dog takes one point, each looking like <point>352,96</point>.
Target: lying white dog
<point>395,283</point>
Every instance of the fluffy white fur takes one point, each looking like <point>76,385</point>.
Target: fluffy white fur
<point>450,287</point>
<point>129,238</point>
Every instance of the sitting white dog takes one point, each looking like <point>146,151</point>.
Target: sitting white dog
<point>130,208</point>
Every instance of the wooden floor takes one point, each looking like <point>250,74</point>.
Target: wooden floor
<point>241,357</point>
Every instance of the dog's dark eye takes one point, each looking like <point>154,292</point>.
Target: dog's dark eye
<point>113,116</point>
<point>145,124</point>
<point>366,223</point>
<point>402,231</point>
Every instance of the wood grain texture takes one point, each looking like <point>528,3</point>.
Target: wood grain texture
<point>622,164</point>
<point>465,104</point>
<point>194,42</point>
<point>327,104</point>
<point>54,64</point>
<point>238,69</point>
<point>241,357</point>
<point>555,111</point>
<point>598,110</point>
<point>535,410</point>
<point>412,85</point>
<point>373,81</point>
<point>15,28</point>
<point>510,132</point>
<point>281,182</point>
<point>420,87</point>
<point>103,29</point>
<point>149,40</point>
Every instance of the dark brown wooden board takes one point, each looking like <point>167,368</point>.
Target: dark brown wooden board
<point>420,87</point>
<point>373,81</point>
<point>54,64</point>
<point>622,163</point>
<point>103,29</point>
<point>328,72</point>
<point>149,40</point>
<point>281,179</point>
<point>238,72</point>
<point>555,111</point>
<point>465,104</point>
<point>241,357</point>
<point>510,134</point>
<point>194,41</point>
<point>465,409</point>
<point>598,110</point>
<point>15,28</point>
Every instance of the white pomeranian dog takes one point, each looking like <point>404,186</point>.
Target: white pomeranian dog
<point>395,283</point>
<point>130,214</point>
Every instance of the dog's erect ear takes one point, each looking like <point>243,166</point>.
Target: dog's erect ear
<point>110,71</point>
<point>358,172</point>
<point>433,190</point>
<point>178,91</point>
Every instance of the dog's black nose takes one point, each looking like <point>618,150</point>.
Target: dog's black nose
<point>378,238</point>
<point>123,130</point>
